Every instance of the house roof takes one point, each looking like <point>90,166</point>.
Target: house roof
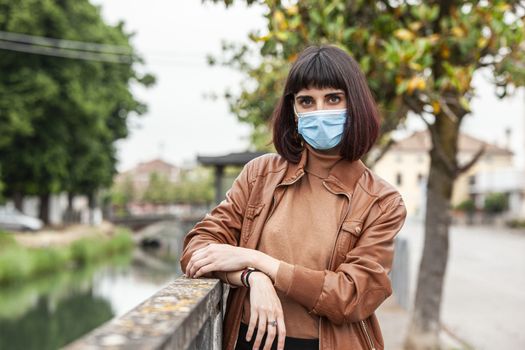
<point>229,159</point>
<point>420,141</point>
<point>154,165</point>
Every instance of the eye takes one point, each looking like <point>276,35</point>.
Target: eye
<point>305,101</point>
<point>334,99</point>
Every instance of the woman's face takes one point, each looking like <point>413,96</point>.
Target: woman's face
<point>308,100</point>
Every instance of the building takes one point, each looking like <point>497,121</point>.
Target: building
<point>406,165</point>
<point>141,174</point>
<point>511,182</point>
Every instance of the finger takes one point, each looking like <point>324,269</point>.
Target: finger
<point>205,269</point>
<point>191,267</point>
<point>199,254</point>
<point>251,325</point>
<point>261,329</point>
<point>188,268</point>
<point>270,335</point>
<point>201,264</point>
<point>281,335</point>
<point>197,264</point>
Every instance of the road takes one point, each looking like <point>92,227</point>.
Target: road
<point>484,295</point>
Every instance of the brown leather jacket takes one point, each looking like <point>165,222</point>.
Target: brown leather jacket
<point>346,295</point>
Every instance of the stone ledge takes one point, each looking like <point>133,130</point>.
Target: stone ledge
<point>172,318</point>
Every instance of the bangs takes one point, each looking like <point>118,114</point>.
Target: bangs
<point>315,71</point>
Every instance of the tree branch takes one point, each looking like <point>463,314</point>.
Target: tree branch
<point>448,112</point>
<point>472,161</point>
<point>425,121</point>
<point>414,103</point>
<point>382,152</point>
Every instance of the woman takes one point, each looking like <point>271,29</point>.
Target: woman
<point>305,237</point>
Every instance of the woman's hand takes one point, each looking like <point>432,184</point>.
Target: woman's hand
<point>265,307</point>
<point>218,257</point>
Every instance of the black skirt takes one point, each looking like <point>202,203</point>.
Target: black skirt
<point>290,343</point>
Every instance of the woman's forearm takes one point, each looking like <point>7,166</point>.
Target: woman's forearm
<point>265,263</point>
<point>233,278</point>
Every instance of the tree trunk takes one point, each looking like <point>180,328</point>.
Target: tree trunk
<point>69,215</point>
<point>426,321</point>
<point>43,213</point>
<point>91,204</point>
<point>18,200</point>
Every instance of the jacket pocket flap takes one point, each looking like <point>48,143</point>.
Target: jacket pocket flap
<point>355,227</point>
<point>253,210</point>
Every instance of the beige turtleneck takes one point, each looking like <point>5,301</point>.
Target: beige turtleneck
<point>301,230</point>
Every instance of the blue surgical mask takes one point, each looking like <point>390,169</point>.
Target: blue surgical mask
<point>322,129</point>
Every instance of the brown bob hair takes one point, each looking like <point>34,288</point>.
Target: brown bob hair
<point>321,67</point>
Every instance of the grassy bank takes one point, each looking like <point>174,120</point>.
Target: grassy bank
<point>18,263</point>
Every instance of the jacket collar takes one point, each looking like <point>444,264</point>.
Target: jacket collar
<point>344,174</point>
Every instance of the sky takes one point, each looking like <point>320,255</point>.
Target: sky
<point>174,38</point>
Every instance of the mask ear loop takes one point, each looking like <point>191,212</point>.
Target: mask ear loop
<point>294,110</point>
<point>296,130</point>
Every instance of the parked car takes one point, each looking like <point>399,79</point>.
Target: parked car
<point>14,220</point>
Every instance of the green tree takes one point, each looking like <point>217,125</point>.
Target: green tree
<point>195,187</point>
<point>122,194</point>
<point>61,116</point>
<point>419,57</point>
<point>158,190</point>
<point>496,203</point>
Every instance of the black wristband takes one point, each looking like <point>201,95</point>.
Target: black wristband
<point>244,276</point>
<point>248,275</point>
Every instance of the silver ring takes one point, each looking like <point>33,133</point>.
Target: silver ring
<point>273,323</point>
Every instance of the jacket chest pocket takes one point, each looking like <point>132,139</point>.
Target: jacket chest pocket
<point>349,235</point>
<point>250,216</point>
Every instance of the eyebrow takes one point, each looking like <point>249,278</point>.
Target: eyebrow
<point>337,92</point>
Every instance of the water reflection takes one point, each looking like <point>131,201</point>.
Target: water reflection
<point>49,326</point>
<point>50,312</point>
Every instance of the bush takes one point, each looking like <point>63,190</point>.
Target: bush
<point>467,206</point>
<point>6,240</point>
<point>15,264</point>
<point>50,259</point>
<point>496,203</point>
<point>19,263</point>
<point>516,223</point>
<point>89,249</point>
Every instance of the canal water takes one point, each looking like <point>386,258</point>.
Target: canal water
<point>52,311</point>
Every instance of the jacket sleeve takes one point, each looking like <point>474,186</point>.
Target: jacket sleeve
<point>360,284</point>
<point>223,224</point>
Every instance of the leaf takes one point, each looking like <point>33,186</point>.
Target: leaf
<point>436,107</point>
<point>464,103</point>
<point>404,34</point>
<point>415,83</point>
<point>292,10</point>
<point>458,32</point>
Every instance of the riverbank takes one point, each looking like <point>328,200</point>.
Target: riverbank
<point>25,256</point>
